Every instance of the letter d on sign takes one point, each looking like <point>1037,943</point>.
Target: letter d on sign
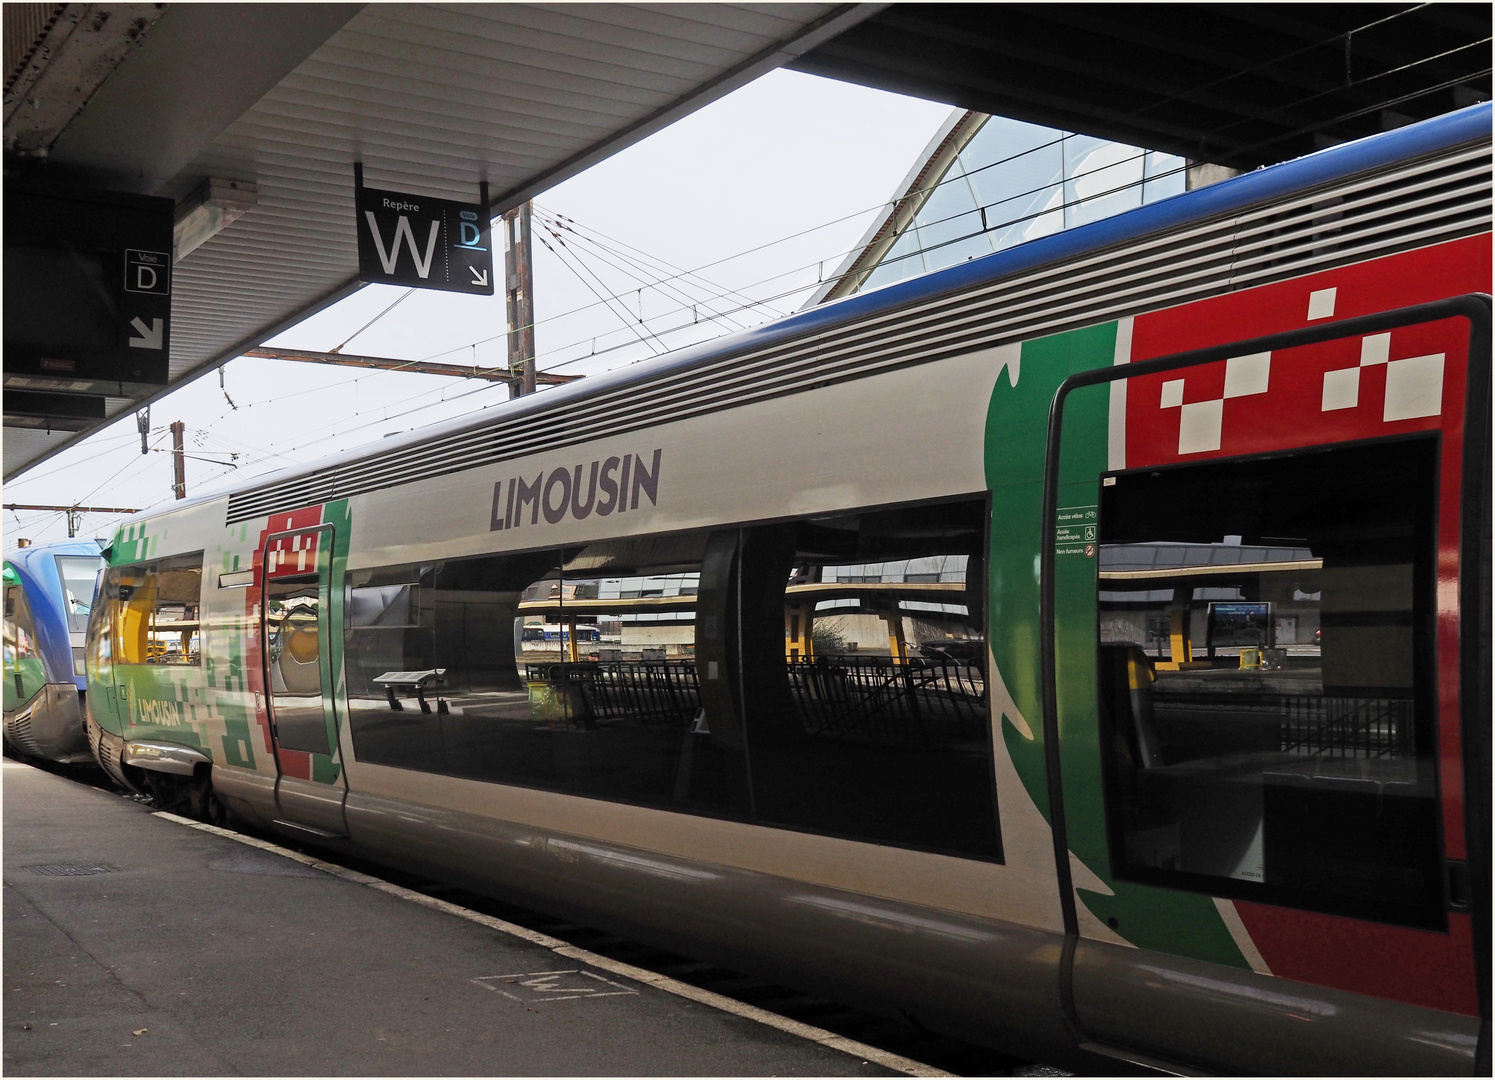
<point>145,278</point>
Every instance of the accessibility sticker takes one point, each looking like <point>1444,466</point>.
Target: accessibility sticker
<point>1077,530</point>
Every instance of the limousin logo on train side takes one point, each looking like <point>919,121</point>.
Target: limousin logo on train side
<point>561,492</point>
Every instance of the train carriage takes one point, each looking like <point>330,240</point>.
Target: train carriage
<point>48,594</point>
<point>1083,650</point>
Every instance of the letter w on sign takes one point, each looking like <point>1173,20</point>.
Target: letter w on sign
<point>403,233</point>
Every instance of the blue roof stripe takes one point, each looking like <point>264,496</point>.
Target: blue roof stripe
<point>1231,196</point>
<point>1234,195</point>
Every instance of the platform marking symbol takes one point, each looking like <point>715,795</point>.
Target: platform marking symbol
<point>554,985</point>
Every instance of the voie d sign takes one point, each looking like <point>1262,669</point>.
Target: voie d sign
<point>612,484</point>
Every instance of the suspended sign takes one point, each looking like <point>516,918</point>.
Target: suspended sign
<point>87,292</point>
<point>423,243</point>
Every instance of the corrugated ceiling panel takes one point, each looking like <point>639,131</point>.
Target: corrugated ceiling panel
<point>432,98</point>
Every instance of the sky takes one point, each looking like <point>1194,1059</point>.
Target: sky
<point>730,216</point>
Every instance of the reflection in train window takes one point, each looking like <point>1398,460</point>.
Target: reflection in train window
<point>79,574</point>
<point>24,673</point>
<point>864,676</point>
<point>839,662</point>
<point>154,611</point>
<point>1265,673</point>
<point>293,659</point>
<point>571,670</point>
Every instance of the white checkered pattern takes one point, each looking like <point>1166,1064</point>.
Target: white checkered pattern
<point>1199,422</point>
<point>1414,385</point>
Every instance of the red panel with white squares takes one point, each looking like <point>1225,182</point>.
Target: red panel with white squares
<point>1371,386</point>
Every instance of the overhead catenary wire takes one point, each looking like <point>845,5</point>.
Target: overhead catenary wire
<point>580,277</point>
<point>644,257</point>
<point>673,277</point>
<point>645,276</point>
<point>398,301</point>
<point>673,293</point>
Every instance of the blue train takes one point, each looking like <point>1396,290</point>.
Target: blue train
<point>49,592</point>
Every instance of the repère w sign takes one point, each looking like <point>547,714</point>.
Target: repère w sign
<point>426,243</point>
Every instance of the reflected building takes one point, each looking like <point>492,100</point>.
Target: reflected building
<point>988,183</point>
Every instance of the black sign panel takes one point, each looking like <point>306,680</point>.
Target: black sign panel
<point>425,243</point>
<point>87,291</point>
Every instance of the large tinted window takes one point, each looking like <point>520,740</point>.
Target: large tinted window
<point>1265,666</point>
<point>864,676</point>
<point>154,610</point>
<point>838,662</point>
<point>572,670</point>
<point>24,673</point>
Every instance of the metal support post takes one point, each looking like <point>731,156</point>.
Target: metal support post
<point>178,460</point>
<point>519,294</point>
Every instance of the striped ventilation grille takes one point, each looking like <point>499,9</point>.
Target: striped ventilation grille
<point>22,735</point>
<point>108,757</point>
<point>1415,204</point>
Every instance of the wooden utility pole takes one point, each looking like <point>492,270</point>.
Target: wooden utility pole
<point>178,460</point>
<point>519,293</point>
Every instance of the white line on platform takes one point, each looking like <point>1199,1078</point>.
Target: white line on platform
<point>897,1062</point>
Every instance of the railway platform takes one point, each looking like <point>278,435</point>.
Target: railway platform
<point>137,943</point>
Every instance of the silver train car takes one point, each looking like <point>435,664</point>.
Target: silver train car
<point>1084,650</point>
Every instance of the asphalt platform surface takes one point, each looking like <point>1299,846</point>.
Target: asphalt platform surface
<point>137,945</point>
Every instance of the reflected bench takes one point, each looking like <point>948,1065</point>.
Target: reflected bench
<point>412,681</point>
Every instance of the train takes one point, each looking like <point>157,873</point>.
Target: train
<point>49,591</point>
<point>1083,650</point>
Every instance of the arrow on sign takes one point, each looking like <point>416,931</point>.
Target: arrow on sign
<point>478,278</point>
<point>151,337</point>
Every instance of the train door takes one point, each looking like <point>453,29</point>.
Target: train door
<point>295,635</point>
<point>1263,696</point>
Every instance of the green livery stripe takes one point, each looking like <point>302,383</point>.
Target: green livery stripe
<point>24,677</point>
<point>1180,923</point>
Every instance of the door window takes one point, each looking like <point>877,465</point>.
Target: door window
<point>293,652</point>
<point>1266,670</point>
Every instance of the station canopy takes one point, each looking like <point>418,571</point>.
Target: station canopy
<point>159,99</point>
<point>262,109</point>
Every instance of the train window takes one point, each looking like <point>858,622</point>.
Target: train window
<point>387,640</point>
<point>79,574</point>
<point>568,670</point>
<point>24,673</point>
<point>154,610</point>
<point>863,676</point>
<point>293,659</point>
<point>1266,666</point>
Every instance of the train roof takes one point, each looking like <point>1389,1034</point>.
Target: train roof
<point>25,559</point>
<point>360,469</point>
